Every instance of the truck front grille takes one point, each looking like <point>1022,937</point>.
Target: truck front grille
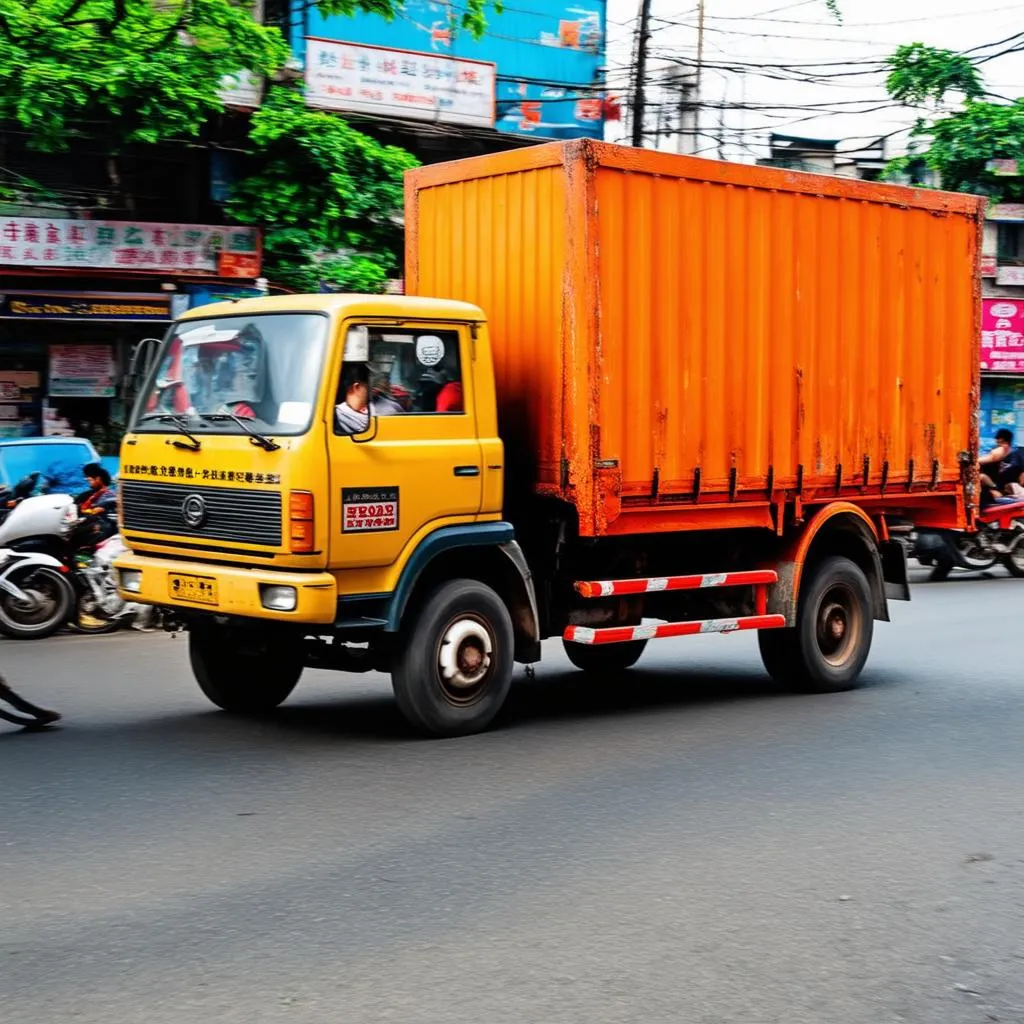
<point>203,513</point>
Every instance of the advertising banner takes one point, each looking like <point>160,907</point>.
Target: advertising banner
<point>81,371</point>
<point>399,83</point>
<point>123,245</point>
<point>1002,335</point>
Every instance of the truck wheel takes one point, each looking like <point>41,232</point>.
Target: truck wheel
<point>604,659</point>
<point>243,673</point>
<point>826,650</point>
<point>454,669</point>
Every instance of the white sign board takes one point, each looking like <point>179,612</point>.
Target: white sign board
<point>399,83</point>
<point>243,89</point>
<point>123,245</point>
<point>1010,275</point>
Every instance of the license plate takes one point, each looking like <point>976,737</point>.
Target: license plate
<point>194,589</point>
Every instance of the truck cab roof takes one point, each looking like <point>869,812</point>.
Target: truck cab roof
<point>401,307</point>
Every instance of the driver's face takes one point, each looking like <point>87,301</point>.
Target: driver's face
<point>94,482</point>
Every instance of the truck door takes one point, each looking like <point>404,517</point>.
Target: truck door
<point>415,458</point>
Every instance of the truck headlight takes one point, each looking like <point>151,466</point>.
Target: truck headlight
<point>278,599</point>
<point>131,580</point>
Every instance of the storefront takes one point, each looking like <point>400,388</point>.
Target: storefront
<point>1002,369</point>
<point>77,296</point>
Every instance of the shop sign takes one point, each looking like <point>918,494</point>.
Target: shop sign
<point>72,306</point>
<point>1002,336</point>
<point>122,245</point>
<point>1003,168</point>
<point>1008,213</point>
<point>989,268</point>
<point>243,89</point>
<point>81,371</point>
<point>1010,275</point>
<point>399,83</point>
<point>238,264</point>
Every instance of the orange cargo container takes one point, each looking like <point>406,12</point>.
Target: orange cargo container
<point>684,344</point>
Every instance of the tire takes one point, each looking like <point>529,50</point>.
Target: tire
<point>604,659</point>
<point>83,620</point>
<point>52,603</point>
<point>1014,560</point>
<point>975,558</point>
<point>446,681</point>
<point>243,673</point>
<point>812,656</point>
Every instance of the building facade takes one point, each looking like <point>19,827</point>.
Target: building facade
<point>1002,344</point>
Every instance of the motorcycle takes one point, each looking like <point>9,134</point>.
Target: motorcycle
<point>84,546</point>
<point>36,596</point>
<point>999,538</point>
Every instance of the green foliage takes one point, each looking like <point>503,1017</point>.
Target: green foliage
<point>132,70</point>
<point>959,144</point>
<point>142,71</point>
<point>919,73</point>
<point>328,197</point>
<point>833,6</point>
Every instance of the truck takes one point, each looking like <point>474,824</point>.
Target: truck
<point>627,395</point>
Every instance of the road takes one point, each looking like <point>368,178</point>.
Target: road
<point>689,847</point>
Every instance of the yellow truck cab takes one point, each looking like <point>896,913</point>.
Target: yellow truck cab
<point>310,480</point>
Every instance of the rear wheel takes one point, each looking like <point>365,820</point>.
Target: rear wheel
<point>244,673</point>
<point>604,659</point>
<point>826,650</point>
<point>454,669</point>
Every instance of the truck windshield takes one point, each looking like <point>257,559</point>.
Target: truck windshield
<point>261,369</point>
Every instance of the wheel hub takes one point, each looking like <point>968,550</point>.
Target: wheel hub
<point>838,626</point>
<point>464,657</point>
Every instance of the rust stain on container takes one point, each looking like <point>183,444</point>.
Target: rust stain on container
<point>739,319</point>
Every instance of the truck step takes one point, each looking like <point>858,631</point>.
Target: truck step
<point>658,584</point>
<point>624,634</point>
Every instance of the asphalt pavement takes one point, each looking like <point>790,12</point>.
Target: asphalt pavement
<point>688,846</point>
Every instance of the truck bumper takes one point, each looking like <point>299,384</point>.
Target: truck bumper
<point>226,590</point>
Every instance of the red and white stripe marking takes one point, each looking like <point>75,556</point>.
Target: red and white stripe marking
<point>623,634</point>
<point>657,584</point>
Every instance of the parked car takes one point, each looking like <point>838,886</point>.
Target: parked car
<point>58,460</point>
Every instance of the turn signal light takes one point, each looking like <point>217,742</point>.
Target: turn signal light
<point>301,521</point>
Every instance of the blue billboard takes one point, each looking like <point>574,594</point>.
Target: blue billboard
<point>548,53</point>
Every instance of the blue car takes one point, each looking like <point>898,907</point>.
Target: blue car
<point>58,460</point>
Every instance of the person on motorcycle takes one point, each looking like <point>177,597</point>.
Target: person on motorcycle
<point>37,717</point>
<point>100,497</point>
<point>1000,469</point>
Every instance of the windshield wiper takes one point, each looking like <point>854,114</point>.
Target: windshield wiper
<point>258,439</point>
<point>182,425</point>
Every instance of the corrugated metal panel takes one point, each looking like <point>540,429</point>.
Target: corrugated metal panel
<point>499,242</point>
<point>723,328</point>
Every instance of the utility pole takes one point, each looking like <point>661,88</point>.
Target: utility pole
<point>639,94</point>
<point>698,75</point>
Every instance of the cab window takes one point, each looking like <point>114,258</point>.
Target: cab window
<point>406,372</point>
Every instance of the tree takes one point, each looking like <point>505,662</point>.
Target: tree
<point>959,144</point>
<point>139,71</point>
<point>328,197</point>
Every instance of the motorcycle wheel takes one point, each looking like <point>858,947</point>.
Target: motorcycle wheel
<point>1014,561</point>
<point>51,600</point>
<point>974,556</point>
<point>92,625</point>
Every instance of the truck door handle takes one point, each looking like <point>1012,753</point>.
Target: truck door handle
<point>467,470</point>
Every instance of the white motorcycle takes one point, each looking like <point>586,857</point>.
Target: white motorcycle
<point>48,525</point>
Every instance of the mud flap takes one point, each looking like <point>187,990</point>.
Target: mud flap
<point>894,570</point>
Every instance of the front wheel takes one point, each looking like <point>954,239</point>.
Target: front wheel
<point>454,669</point>
<point>1014,560</point>
<point>46,606</point>
<point>244,673</point>
<point>826,650</point>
